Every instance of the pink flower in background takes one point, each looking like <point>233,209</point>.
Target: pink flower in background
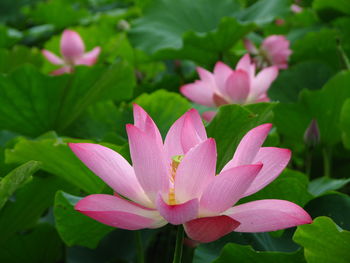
<point>296,8</point>
<point>280,22</point>
<point>228,86</point>
<point>72,51</point>
<point>274,50</point>
<point>176,181</point>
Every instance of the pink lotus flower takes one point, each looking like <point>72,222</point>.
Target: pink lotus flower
<point>274,50</point>
<point>227,86</point>
<point>176,181</point>
<point>72,50</point>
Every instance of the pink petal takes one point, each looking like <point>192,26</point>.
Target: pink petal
<point>283,65</point>
<point>118,212</point>
<point>238,86</point>
<point>263,81</point>
<point>199,92</point>
<point>274,160</point>
<point>280,21</point>
<point>268,215</point>
<point>249,45</point>
<point>145,123</point>
<point>89,58</point>
<point>249,146</point>
<point>262,98</point>
<point>52,57</point>
<point>227,188</point>
<point>195,171</point>
<point>208,115</point>
<point>113,169</point>
<point>274,42</point>
<point>246,65</point>
<point>208,229</point>
<point>220,100</point>
<point>173,140</point>
<point>61,71</point>
<point>185,133</point>
<point>179,213</point>
<point>221,74</point>
<point>208,78</point>
<point>72,46</point>
<point>149,162</point>
<point>189,135</point>
<point>296,9</point>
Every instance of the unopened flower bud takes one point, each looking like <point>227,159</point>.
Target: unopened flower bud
<point>123,25</point>
<point>312,134</point>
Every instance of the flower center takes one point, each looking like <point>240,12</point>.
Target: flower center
<point>174,165</point>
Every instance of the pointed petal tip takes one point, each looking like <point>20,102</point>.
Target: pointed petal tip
<point>211,142</point>
<point>51,57</point>
<point>183,89</point>
<point>89,58</point>
<point>220,64</point>
<point>192,111</point>
<point>97,49</point>
<point>266,125</point>
<point>200,69</point>
<point>193,114</point>
<point>263,128</point>
<point>69,31</point>
<point>134,104</point>
<point>79,206</point>
<point>246,57</point>
<point>288,152</point>
<point>129,126</point>
<point>208,116</point>
<point>74,146</point>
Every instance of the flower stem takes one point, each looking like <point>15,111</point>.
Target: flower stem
<point>308,161</point>
<point>179,244</point>
<point>343,57</point>
<point>139,247</point>
<point>327,156</point>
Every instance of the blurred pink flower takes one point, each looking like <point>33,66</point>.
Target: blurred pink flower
<point>227,86</point>
<point>176,181</point>
<point>296,8</point>
<point>280,22</point>
<point>72,51</point>
<point>274,50</point>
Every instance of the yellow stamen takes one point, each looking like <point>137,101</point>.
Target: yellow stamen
<point>174,165</point>
<point>172,200</point>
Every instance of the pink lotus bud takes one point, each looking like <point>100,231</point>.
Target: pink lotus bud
<point>72,50</point>
<point>72,46</point>
<point>123,25</point>
<point>312,134</point>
